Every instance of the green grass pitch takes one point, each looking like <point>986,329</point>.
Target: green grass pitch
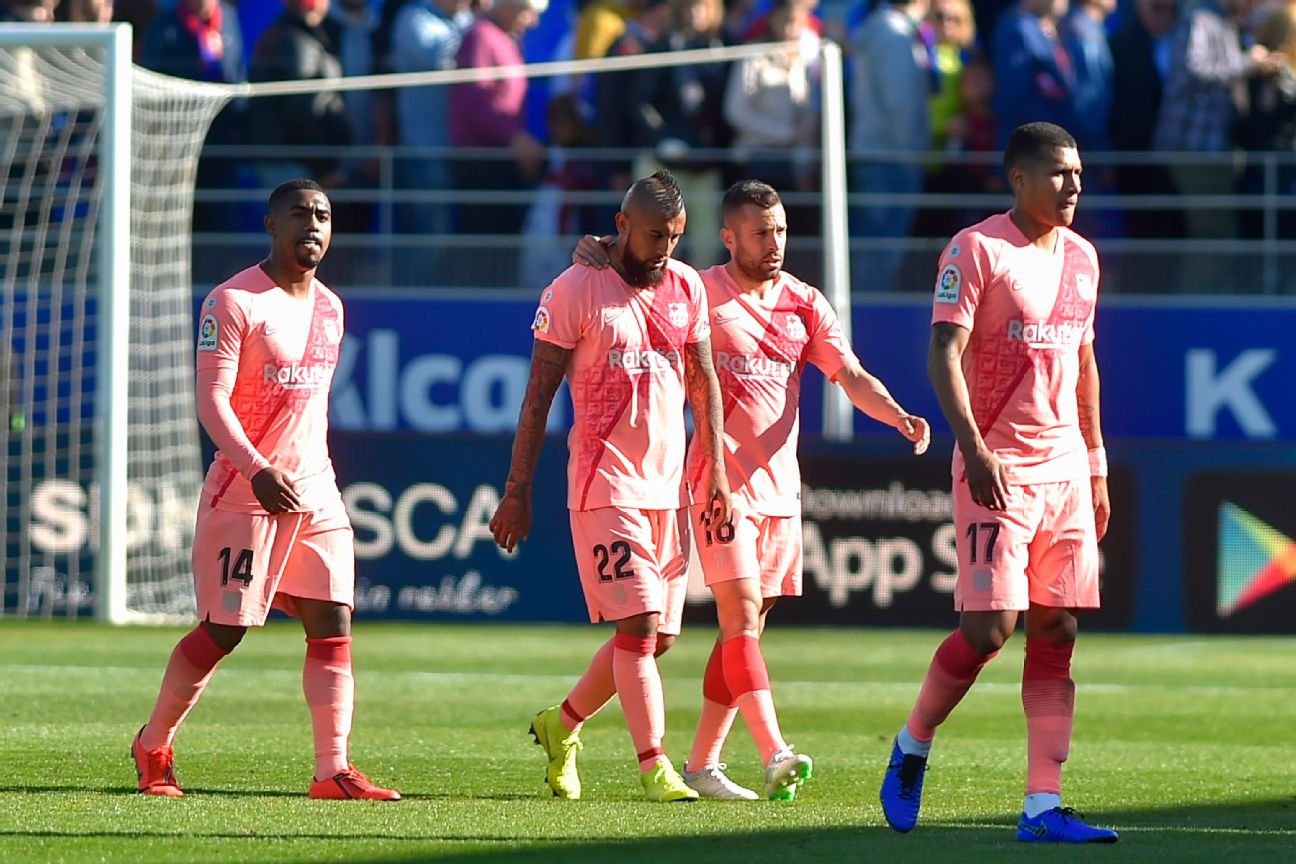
<point>1187,745</point>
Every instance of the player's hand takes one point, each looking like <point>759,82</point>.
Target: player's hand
<point>1101,505</point>
<point>721,500</point>
<point>987,481</point>
<point>512,520</point>
<point>917,430</point>
<point>275,491</point>
<point>592,251</point>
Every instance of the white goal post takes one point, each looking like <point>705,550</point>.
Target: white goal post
<point>99,469</point>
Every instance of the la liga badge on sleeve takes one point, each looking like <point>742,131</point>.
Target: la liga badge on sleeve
<point>208,333</point>
<point>541,322</point>
<point>949,285</point>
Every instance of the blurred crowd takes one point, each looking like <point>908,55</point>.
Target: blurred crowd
<point>922,77</point>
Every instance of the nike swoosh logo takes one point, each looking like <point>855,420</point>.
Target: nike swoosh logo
<point>720,320</point>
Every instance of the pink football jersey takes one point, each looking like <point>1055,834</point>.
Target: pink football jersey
<point>1029,311</point>
<point>761,347</point>
<point>265,362</point>
<point>626,376</point>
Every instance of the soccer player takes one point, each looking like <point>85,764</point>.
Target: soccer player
<point>271,527</point>
<point>1012,363</point>
<point>766,325</point>
<point>633,341</point>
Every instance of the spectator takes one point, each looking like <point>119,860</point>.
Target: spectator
<point>615,109</point>
<point>139,14</point>
<point>770,105</point>
<point>356,25</point>
<point>426,38</point>
<point>85,11</point>
<point>1085,37</point>
<point>489,113</point>
<point>975,130</point>
<point>1034,74</point>
<point>599,25</point>
<point>950,35</point>
<point>201,40</point>
<point>954,30</point>
<point>988,13</point>
<point>1140,66</point>
<point>893,83</point>
<point>1270,124</point>
<point>29,11</point>
<point>734,24</point>
<point>757,26</point>
<point>301,45</point>
<point>679,111</point>
<point>1198,112</point>
<point>554,215</point>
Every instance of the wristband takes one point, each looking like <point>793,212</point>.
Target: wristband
<point>1098,462</point>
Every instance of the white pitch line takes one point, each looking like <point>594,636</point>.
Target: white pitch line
<point>1089,687</point>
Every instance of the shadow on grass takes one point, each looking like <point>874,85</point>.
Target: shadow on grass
<point>1230,831</point>
<point>132,790</point>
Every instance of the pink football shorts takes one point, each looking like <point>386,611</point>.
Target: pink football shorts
<point>245,563</point>
<point>1042,550</point>
<point>632,562</point>
<point>750,546</point>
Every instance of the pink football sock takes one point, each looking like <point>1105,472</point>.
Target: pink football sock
<point>594,690</point>
<point>329,686</point>
<point>1048,695</point>
<point>192,663</point>
<point>951,673</point>
<point>639,685</point>
<point>748,680</point>
<point>717,715</point>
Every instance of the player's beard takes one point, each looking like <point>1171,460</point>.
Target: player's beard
<point>306,256</point>
<point>756,269</point>
<point>637,271</point>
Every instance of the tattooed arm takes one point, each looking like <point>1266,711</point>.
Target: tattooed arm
<point>1091,429</point>
<point>512,519</point>
<point>708,420</point>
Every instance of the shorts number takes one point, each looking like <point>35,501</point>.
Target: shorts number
<point>992,536</point>
<point>242,569</point>
<point>621,549</point>
<point>724,532</point>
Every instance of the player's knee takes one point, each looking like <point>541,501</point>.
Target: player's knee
<point>738,617</point>
<point>987,634</point>
<point>739,625</point>
<point>1053,625</point>
<point>322,620</point>
<point>639,626</point>
<point>226,636</point>
<point>664,643</point>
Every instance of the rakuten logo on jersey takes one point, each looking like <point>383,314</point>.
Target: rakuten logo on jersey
<point>1037,332</point>
<point>754,367</point>
<point>643,361</point>
<point>297,377</point>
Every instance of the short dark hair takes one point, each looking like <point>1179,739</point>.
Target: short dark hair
<point>658,190</point>
<point>1033,141</point>
<point>745,192</point>
<point>283,190</point>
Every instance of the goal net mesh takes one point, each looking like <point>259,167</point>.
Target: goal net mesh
<point>52,113</point>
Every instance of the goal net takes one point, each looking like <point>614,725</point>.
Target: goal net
<point>92,395</point>
<point>99,449</point>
